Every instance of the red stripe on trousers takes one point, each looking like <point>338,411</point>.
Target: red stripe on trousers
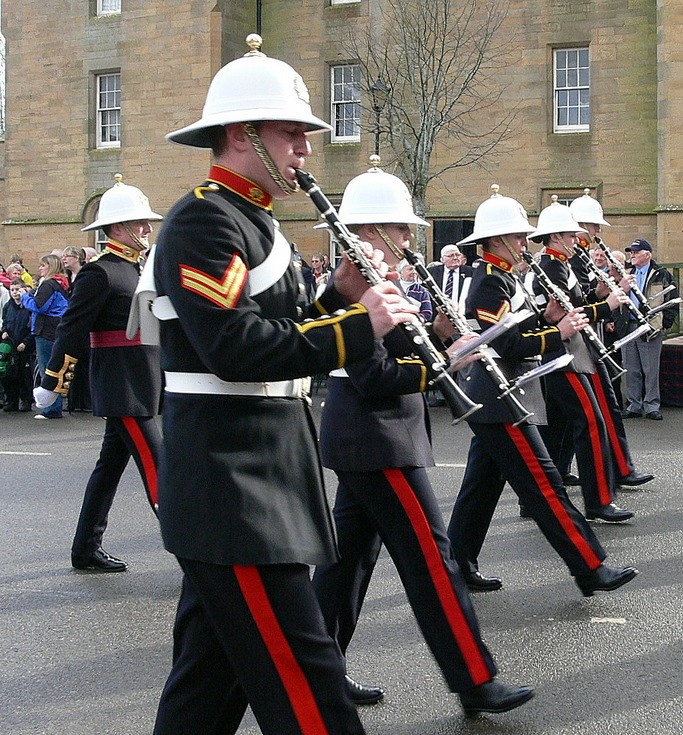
<point>599,451</point>
<point>619,453</point>
<point>146,456</point>
<point>457,620</point>
<point>293,679</point>
<point>549,493</point>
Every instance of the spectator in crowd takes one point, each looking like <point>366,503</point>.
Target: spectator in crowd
<point>321,274</point>
<point>26,277</point>
<point>4,278</point>
<point>90,253</point>
<point>642,356</point>
<point>16,328</point>
<point>416,291</point>
<point>452,275</point>
<point>73,259</point>
<point>48,304</point>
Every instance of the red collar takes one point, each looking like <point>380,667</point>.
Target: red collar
<point>242,186</point>
<point>123,251</point>
<point>498,262</point>
<point>556,254</point>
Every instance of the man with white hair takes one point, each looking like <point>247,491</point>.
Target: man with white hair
<point>453,276</point>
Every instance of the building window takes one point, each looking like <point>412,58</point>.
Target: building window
<point>572,90</point>
<point>346,103</point>
<point>108,7</point>
<point>109,110</point>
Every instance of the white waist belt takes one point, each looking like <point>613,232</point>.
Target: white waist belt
<point>209,384</point>
<point>339,373</point>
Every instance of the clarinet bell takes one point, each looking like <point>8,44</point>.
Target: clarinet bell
<point>613,369</point>
<point>519,414</point>
<point>460,405</point>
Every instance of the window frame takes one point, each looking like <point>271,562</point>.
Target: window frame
<point>101,112</point>
<point>338,104</point>
<point>568,88</point>
<point>100,11</point>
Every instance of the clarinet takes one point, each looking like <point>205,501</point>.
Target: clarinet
<point>562,299</point>
<point>445,306</point>
<point>645,303</point>
<point>613,286</point>
<point>458,402</point>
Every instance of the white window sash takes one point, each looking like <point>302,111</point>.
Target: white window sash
<point>345,103</point>
<point>571,90</point>
<point>108,117</point>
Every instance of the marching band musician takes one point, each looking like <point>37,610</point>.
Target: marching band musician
<point>125,374</point>
<point>375,435</point>
<point>588,212</point>
<point>242,505</point>
<point>570,396</point>
<point>500,451</point>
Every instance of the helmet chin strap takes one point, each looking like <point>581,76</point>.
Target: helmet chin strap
<point>395,249</point>
<point>516,257</point>
<point>134,237</point>
<point>267,161</point>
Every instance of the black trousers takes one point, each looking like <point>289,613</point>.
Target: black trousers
<point>398,507</point>
<point>124,436</point>
<point>570,400</point>
<point>253,635</point>
<point>604,391</point>
<point>500,452</point>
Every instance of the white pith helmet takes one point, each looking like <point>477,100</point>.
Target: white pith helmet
<point>122,203</point>
<point>498,215</point>
<point>553,219</point>
<point>251,89</point>
<point>588,209</point>
<point>377,198</point>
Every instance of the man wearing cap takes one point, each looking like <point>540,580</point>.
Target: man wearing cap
<point>125,375</point>
<point>242,504</point>
<point>641,357</point>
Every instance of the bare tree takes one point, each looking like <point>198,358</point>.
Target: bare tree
<point>435,62</point>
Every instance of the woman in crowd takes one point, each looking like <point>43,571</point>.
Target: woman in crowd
<point>48,304</point>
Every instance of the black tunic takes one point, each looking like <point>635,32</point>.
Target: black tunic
<point>240,477</point>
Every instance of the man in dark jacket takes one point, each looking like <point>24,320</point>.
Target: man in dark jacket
<point>641,357</point>
<point>125,375</point>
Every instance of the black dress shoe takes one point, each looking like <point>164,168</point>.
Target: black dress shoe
<point>630,415</point>
<point>570,479</point>
<point>654,416</point>
<point>611,513</point>
<point>636,478</point>
<point>361,694</point>
<point>477,582</point>
<point>495,697</point>
<point>604,578</point>
<point>99,561</point>
<point>436,402</point>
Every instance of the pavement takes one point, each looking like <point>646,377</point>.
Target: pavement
<point>88,654</point>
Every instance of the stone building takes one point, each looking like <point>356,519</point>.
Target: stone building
<point>93,86</point>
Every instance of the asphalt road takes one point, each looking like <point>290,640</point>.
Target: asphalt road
<point>86,654</point>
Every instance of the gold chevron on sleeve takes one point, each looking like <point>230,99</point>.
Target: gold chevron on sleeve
<point>494,317</point>
<point>225,292</point>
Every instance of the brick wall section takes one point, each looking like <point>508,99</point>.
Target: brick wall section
<point>168,51</point>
